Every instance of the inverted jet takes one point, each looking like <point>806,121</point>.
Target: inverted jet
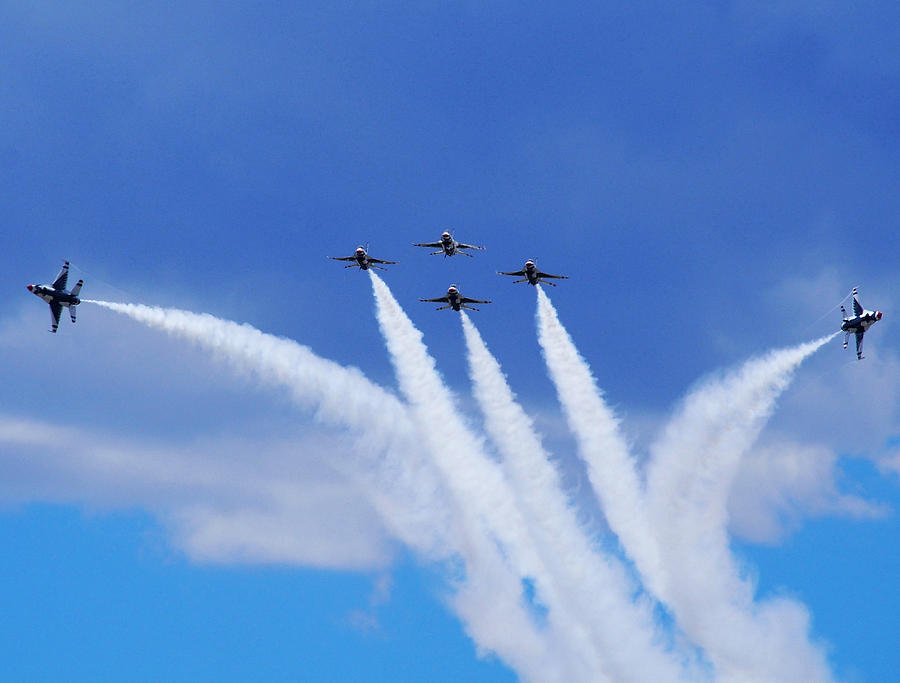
<point>362,260</point>
<point>858,323</point>
<point>455,300</point>
<point>448,246</point>
<point>58,296</point>
<point>532,275</point>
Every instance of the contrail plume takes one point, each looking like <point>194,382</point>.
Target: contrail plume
<point>341,396</point>
<point>490,517</point>
<point>689,478</point>
<point>623,630</point>
<point>610,466</point>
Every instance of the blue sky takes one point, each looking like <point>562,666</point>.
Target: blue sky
<point>713,179</point>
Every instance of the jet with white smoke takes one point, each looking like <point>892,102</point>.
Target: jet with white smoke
<point>675,530</point>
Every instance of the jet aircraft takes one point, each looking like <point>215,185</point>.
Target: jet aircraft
<point>58,296</point>
<point>448,246</point>
<point>455,300</point>
<point>532,275</point>
<point>362,259</point>
<point>861,321</point>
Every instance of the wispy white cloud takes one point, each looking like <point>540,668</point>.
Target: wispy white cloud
<point>223,499</point>
<point>780,484</point>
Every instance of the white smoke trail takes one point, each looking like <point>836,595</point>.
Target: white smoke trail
<point>610,466</point>
<point>678,540</point>
<point>414,506</point>
<point>490,517</point>
<point>689,480</point>
<point>388,438</point>
<point>623,630</point>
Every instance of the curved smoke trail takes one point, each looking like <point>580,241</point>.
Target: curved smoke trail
<point>689,479</point>
<point>338,396</point>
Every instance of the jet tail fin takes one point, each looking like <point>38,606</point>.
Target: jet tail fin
<point>72,313</point>
<point>76,290</point>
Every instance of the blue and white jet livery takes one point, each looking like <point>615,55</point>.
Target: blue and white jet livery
<point>362,260</point>
<point>448,246</point>
<point>455,300</point>
<point>532,275</point>
<point>861,321</point>
<point>58,296</point>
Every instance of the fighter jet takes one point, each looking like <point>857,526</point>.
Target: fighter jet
<point>363,260</point>
<point>58,296</point>
<point>448,246</point>
<point>533,276</point>
<point>455,300</point>
<point>861,321</point>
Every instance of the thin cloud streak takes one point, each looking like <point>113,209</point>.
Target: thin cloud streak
<point>624,631</point>
<point>220,504</point>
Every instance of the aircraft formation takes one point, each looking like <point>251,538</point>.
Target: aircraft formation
<point>57,296</point>
<point>449,246</point>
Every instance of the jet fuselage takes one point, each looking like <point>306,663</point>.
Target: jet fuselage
<point>453,298</point>
<point>861,323</point>
<point>62,297</point>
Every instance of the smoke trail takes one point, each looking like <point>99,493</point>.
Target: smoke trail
<point>624,631</point>
<point>610,466</point>
<point>689,480</point>
<point>491,604</point>
<point>388,439</point>
<point>490,517</point>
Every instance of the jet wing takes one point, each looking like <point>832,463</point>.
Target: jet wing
<point>460,245</point>
<point>439,300</point>
<point>55,311</point>
<point>62,278</point>
<point>558,277</point>
<point>859,341</point>
<point>467,300</point>
<point>433,245</point>
<point>518,273</point>
<point>378,260</point>
<point>345,258</point>
<point>857,307</point>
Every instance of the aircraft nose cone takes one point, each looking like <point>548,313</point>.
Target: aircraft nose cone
<point>29,287</point>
